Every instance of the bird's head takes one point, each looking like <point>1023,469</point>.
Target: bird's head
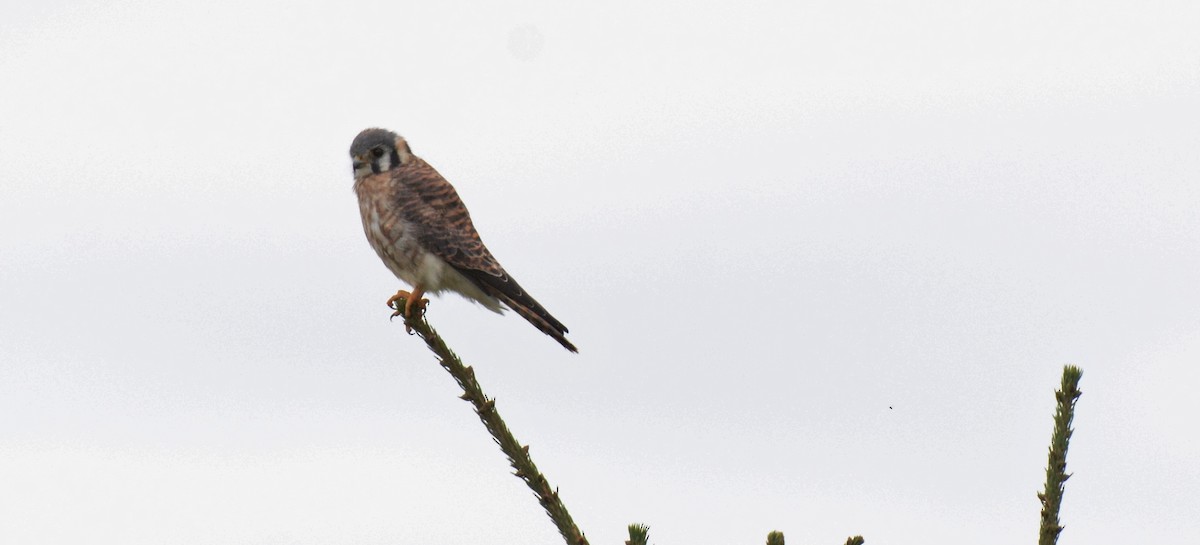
<point>378,150</point>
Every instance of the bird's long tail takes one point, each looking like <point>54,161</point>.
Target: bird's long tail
<point>529,309</point>
<point>505,288</point>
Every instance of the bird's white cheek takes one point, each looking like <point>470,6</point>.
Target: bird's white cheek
<point>383,164</point>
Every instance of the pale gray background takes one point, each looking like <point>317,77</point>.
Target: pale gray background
<point>824,261</point>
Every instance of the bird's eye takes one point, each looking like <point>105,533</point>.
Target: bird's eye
<point>377,152</point>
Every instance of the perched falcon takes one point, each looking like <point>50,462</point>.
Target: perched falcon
<point>422,231</point>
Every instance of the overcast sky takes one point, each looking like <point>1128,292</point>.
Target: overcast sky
<point>824,262</point>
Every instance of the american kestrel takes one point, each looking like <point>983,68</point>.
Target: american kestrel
<point>421,230</point>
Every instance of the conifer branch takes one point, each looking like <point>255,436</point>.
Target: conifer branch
<point>1056,467</point>
<point>485,407</point>
<point>639,534</point>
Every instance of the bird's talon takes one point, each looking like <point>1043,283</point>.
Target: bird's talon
<point>414,307</point>
<point>392,302</point>
<point>407,305</point>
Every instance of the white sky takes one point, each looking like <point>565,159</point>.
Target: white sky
<point>764,225</point>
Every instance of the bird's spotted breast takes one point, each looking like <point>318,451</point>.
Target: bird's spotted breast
<point>387,232</point>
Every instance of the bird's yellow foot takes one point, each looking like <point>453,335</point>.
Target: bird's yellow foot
<point>394,302</point>
<point>412,302</point>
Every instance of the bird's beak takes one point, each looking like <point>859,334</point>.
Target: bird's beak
<point>358,163</point>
